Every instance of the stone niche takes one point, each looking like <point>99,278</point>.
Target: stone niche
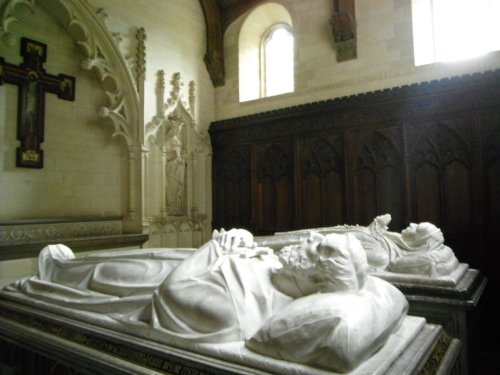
<point>177,170</point>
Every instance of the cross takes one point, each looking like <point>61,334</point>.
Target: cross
<point>33,83</point>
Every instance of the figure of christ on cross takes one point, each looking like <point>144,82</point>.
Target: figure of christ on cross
<point>33,83</point>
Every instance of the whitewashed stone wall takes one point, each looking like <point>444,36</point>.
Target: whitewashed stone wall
<point>86,170</point>
<point>83,164</point>
<point>385,57</point>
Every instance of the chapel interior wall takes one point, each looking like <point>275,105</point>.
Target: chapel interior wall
<point>384,57</point>
<point>83,165</point>
<point>86,171</point>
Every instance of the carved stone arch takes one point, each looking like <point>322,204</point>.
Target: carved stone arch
<point>177,105</point>
<point>101,54</point>
<point>86,27</point>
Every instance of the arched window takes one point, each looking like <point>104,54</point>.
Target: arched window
<point>277,61</point>
<point>266,53</point>
<point>446,30</point>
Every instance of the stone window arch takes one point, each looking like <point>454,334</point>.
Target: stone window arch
<point>260,24</point>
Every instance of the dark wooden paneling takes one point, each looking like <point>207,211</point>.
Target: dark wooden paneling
<point>274,186</point>
<point>427,152</point>
<point>233,193</point>
<point>320,181</point>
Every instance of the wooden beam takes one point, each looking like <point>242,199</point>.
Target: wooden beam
<point>214,56</point>
<point>344,29</point>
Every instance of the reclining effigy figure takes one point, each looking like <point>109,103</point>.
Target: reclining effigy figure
<point>313,303</point>
<point>418,250</point>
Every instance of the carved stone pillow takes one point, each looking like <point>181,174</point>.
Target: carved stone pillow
<point>333,331</point>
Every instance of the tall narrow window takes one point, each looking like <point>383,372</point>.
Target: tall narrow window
<point>277,61</point>
<point>446,30</point>
<point>266,53</point>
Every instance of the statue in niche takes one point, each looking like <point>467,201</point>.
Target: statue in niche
<point>175,168</point>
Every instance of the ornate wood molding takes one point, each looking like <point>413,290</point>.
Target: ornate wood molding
<point>480,90</point>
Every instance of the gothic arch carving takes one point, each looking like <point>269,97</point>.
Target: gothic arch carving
<point>86,26</point>
<point>101,55</point>
<point>442,177</point>
<point>176,163</point>
<point>321,172</point>
<point>377,176</point>
<point>439,146</point>
<point>275,164</point>
<point>235,168</point>
<point>378,153</point>
<point>322,158</point>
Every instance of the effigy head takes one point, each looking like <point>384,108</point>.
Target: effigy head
<point>422,236</point>
<point>331,263</point>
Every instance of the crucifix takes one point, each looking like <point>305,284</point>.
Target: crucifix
<point>33,83</point>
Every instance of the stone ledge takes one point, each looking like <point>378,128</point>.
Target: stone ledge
<point>28,249</point>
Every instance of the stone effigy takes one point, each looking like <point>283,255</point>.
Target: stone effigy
<point>417,254</point>
<point>312,304</point>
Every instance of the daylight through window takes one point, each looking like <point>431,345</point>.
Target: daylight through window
<point>277,64</point>
<point>447,30</point>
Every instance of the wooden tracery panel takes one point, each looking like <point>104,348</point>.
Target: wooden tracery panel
<point>377,175</point>
<point>233,189</point>
<point>423,152</point>
<point>274,185</point>
<point>491,162</point>
<point>321,181</point>
<point>441,171</point>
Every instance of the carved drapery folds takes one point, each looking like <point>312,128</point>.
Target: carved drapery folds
<point>343,24</point>
<point>175,168</point>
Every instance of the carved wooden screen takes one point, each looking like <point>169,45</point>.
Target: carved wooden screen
<point>377,178</point>
<point>490,138</point>
<point>274,187</point>
<point>320,180</point>
<point>441,165</point>
<point>233,193</point>
<point>428,152</point>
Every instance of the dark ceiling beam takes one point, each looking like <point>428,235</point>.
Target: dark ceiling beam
<point>214,55</point>
<point>232,12</point>
<point>344,29</point>
<point>219,14</point>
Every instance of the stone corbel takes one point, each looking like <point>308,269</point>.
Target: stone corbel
<point>344,29</point>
